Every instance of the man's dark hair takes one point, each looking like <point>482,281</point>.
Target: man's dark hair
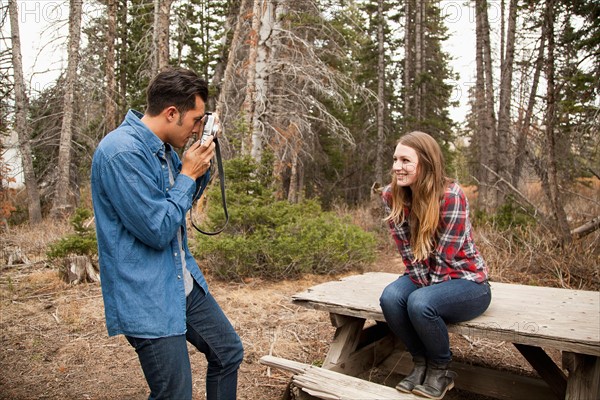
<point>175,87</point>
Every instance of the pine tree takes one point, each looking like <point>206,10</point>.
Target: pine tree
<point>426,72</point>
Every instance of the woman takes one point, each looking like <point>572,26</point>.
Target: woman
<point>446,278</point>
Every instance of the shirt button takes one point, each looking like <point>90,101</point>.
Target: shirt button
<point>178,276</point>
<point>175,254</point>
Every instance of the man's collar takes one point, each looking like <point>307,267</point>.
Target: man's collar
<point>134,119</point>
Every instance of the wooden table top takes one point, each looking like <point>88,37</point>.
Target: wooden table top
<point>564,319</point>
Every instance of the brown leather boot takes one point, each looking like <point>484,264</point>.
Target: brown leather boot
<point>438,381</point>
<point>415,377</point>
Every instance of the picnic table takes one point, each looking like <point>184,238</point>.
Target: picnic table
<point>532,318</point>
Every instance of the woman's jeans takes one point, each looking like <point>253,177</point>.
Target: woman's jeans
<point>165,361</point>
<point>418,316</point>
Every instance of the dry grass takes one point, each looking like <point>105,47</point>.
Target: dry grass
<point>527,256</point>
<point>54,342</point>
<point>33,241</point>
<point>55,345</point>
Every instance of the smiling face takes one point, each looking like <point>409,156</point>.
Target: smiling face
<point>183,126</point>
<point>406,162</point>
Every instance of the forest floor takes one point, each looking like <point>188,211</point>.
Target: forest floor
<point>54,345</point>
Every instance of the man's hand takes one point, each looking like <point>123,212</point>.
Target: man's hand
<point>196,160</point>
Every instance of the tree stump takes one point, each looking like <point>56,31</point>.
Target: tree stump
<point>77,269</point>
<point>14,256</point>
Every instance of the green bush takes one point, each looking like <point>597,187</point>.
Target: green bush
<point>276,239</point>
<point>82,242</point>
<point>511,215</point>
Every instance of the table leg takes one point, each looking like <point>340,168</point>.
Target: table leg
<point>584,376</point>
<point>345,340</point>
<point>545,367</point>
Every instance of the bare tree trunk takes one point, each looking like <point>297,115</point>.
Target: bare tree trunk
<point>123,57</point>
<point>562,227</point>
<point>62,205</point>
<point>33,194</point>
<point>502,30</point>
<point>162,14</point>
<point>380,95</point>
<point>111,83</point>
<point>227,45</point>
<point>155,37</point>
<point>265,52</point>
<point>489,85</point>
<point>293,192</point>
<point>486,119</point>
<point>300,173</point>
<point>294,154</point>
<point>481,120</point>
<point>506,72</point>
<point>249,100</point>
<point>521,147</point>
<point>419,60</point>
<point>409,67</point>
<point>228,74</point>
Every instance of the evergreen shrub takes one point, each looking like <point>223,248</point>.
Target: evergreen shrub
<point>508,216</point>
<point>275,239</point>
<point>82,242</point>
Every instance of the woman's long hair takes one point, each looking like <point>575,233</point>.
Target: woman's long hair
<point>424,198</point>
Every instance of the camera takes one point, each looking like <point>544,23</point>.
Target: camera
<point>211,127</point>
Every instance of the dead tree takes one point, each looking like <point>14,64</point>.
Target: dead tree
<point>33,194</point>
<point>62,204</point>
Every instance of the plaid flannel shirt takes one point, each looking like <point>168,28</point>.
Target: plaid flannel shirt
<point>454,255</point>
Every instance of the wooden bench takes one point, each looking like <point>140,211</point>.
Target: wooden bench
<point>532,318</point>
<point>326,384</point>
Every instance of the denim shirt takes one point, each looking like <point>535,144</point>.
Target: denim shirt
<point>138,216</point>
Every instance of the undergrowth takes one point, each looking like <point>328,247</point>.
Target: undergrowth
<point>82,242</point>
<point>275,239</point>
<point>528,255</point>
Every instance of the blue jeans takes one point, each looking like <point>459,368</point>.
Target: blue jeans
<point>165,361</point>
<point>418,316</point>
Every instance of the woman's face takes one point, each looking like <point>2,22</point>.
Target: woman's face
<point>405,165</point>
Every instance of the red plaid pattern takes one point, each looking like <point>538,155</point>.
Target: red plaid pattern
<point>454,255</point>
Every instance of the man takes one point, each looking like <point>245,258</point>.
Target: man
<point>154,292</point>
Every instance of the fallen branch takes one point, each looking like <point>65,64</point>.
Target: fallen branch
<point>537,214</point>
<point>586,228</point>
<point>595,173</point>
<point>514,189</point>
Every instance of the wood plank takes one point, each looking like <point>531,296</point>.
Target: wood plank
<point>283,363</point>
<point>503,385</point>
<point>326,384</point>
<point>584,377</point>
<point>548,317</point>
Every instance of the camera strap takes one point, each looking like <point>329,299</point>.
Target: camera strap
<point>222,183</point>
